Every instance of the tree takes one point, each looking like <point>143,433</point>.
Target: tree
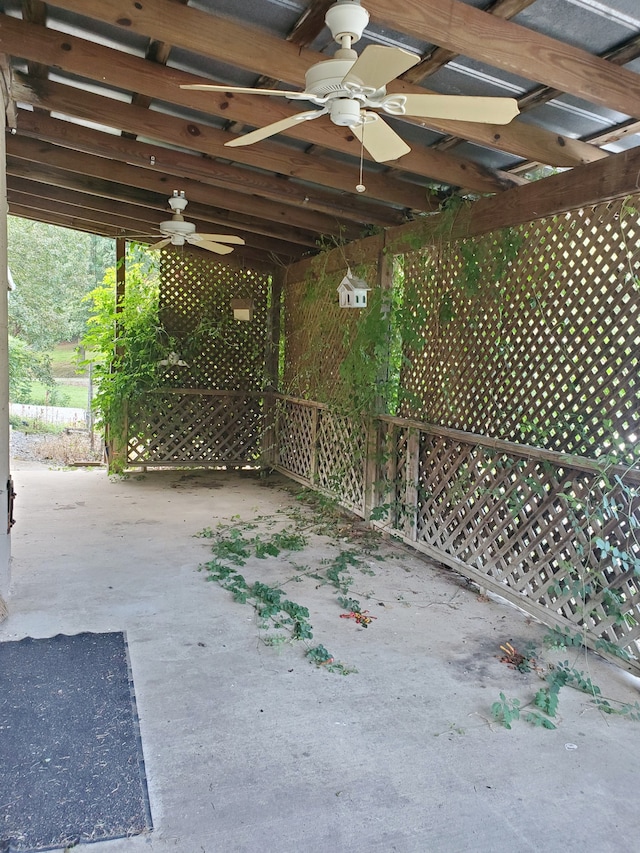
<point>26,366</point>
<point>53,269</point>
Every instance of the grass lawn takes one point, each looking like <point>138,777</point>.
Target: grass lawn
<point>64,361</point>
<point>68,395</point>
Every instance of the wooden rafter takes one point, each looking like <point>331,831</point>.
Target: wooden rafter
<point>24,154</point>
<point>117,69</point>
<point>221,39</point>
<point>440,56</point>
<point>504,44</point>
<point>166,161</point>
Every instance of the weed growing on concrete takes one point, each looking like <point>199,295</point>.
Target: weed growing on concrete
<point>545,703</point>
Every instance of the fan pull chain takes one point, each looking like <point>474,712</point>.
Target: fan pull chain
<point>360,188</point>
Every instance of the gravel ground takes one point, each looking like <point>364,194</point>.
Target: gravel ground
<point>62,448</point>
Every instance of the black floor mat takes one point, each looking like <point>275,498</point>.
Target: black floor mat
<point>71,765</point>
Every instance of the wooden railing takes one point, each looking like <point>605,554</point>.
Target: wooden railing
<point>553,533</point>
<point>194,427</point>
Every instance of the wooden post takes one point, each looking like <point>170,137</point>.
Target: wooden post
<point>412,473</point>
<point>313,473</point>
<point>386,265</point>
<point>381,402</point>
<point>272,365</point>
<point>371,467</point>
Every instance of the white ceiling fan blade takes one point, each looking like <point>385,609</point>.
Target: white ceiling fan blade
<point>161,243</point>
<point>218,248</point>
<point>221,238</point>
<point>379,139</point>
<point>244,90</point>
<point>272,129</point>
<point>462,108</point>
<point>377,65</point>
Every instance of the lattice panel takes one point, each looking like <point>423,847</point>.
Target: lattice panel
<point>181,428</point>
<point>341,452</point>
<point>317,335</point>
<point>522,523</point>
<point>296,437</point>
<point>219,352</point>
<point>544,354</point>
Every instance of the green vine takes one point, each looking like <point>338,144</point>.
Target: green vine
<point>130,340</point>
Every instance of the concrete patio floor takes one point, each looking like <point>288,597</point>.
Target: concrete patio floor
<point>254,748</point>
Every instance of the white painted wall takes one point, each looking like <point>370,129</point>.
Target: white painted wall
<point>5,537</point>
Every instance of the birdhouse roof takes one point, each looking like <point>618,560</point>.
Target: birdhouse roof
<point>352,282</point>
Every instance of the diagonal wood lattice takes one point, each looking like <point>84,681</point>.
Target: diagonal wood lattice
<point>296,434</point>
<point>542,529</point>
<point>317,335</point>
<point>181,428</point>
<point>541,347</point>
<point>323,449</point>
<point>195,298</point>
<point>531,336</point>
<point>340,461</point>
<point>547,531</point>
<point>211,352</point>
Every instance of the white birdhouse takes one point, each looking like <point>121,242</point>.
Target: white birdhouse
<point>352,291</point>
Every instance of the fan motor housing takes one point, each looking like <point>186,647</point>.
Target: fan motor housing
<point>325,78</point>
<point>172,227</point>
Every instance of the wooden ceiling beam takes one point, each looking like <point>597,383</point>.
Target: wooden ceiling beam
<point>262,260</point>
<point>307,28</point>
<point>146,229</point>
<point>111,170</point>
<point>620,55</point>
<point>206,170</point>
<point>440,56</point>
<point>153,195</point>
<point>225,40</point>
<point>519,50</point>
<point>133,218</point>
<point>203,138</point>
<point>118,69</point>
<point>595,183</point>
<point>310,24</point>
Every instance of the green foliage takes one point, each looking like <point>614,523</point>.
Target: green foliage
<point>539,720</point>
<point>547,698</point>
<point>351,605</point>
<point>337,572</point>
<point>230,546</point>
<point>558,639</point>
<point>130,340</point>
<point>26,366</point>
<point>505,711</point>
<point>53,269</point>
<point>482,264</point>
<point>282,619</point>
<point>321,657</point>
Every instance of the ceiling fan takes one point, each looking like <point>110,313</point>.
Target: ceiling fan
<point>349,87</point>
<point>177,231</point>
